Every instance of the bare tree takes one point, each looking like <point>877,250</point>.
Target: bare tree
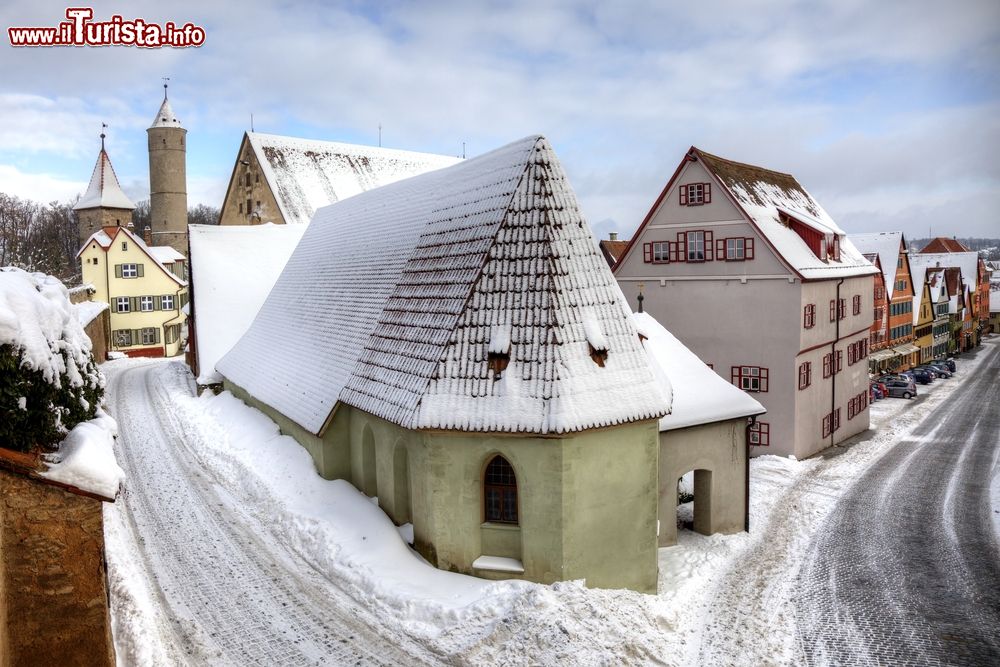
<point>202,214</point>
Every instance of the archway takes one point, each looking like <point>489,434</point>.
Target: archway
<point>694,501</point>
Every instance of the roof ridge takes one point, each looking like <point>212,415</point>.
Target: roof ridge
<point>736,163</point>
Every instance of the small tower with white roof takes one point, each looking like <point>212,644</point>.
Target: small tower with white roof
<point>168,178</point>
<point>104,204</point>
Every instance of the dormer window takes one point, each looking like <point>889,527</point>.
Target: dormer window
<point>695,194</point>
<point>498,353</point>
<point>596,340</point>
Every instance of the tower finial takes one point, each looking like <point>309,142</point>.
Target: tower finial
<point>165,79</point>
<point>640,297</point>
<point>103,126</point>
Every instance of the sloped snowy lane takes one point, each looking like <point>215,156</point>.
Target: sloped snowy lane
<point>906,568</point>
<point>207,582</point>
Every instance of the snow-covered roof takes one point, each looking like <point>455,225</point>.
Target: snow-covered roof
<point>165,254</point>
<point>390,301</point>
<point>887,245</point>
<point>995,301</point>
<point>107,235</point>
<point>305,174</point>
<point>700,395</point>
<point>104,191</point>
<point>766,196</point>
<point>87,311</point>
<point>165,117</point>
<point>967,261</point>
<point>233,269</point>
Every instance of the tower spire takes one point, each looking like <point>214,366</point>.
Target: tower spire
<point>103,127</point>
<point>165,79</point>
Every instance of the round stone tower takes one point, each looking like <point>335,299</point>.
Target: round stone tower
<point>168,179</point>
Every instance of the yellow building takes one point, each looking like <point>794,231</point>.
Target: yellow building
<point>144,288</point>
<point>923,317</point>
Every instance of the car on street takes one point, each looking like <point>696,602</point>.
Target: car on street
<point>901,388</point>
<point>923,375</point>
<point>942,371</point>
<point>949,363</point>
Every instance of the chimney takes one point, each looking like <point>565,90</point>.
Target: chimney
<point>613,236</point>
<point>147,235</point>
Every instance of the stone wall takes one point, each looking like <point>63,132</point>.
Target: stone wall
<point>53,590</point>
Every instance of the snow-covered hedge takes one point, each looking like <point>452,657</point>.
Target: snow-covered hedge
<point>49,381</point>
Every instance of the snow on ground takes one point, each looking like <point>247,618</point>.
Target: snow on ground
<point>721,600</point>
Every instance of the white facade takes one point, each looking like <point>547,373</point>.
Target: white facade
<point>744,311</point>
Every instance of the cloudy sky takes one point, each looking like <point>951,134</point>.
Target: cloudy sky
<point>888,112</point>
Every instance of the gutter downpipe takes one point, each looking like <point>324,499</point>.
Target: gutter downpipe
<point>833,376</point>
<point>746,473</point>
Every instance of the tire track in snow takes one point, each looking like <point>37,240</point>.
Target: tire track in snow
<point>227,592</point>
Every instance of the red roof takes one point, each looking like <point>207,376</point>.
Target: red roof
<point>612,250</point>
<point>944,244</point>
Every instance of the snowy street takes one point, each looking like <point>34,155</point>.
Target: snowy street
<point>906,569</point>
<point>218,588</point>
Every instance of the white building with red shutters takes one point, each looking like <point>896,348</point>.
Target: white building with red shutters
<point>752,275</point>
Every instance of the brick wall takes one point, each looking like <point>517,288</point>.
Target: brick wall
<point>53,583</point>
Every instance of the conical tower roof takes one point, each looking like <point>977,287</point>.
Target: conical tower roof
<point>165,117</point>
<point>104,190</point>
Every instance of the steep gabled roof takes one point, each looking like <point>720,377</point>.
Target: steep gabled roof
<point>306,174</point>
<point>395,300</point>
<point>945,244</point>
<point>612,250</point>
<point>106,236</point>
<point>968,262</point>
<point>888,246</point>
<point>104,191</point>
<point>773,202</point>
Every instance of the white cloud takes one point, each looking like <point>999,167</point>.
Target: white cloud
<point>43,188</point>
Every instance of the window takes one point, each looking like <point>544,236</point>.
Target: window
<point>841,309</point>
<point>879,293</point>
<point>840,361</point>
<point>750,378</point>
<point>809,316</point>
<point>735,249</point>
<point>145,303</point>
<point>130,271</point>
<point>256,177</point>
<point>857,351</point>
<point>831,422</point>
<point>241,207</point>
<point>124,245</point>
<point>901,285</point>
<point>831,363</point>
<point>805,374</point>
<point>760,434</point>
<point>122,304</point>
<point>833,310</point>
<point>167,302</point>
<point>657,252</point>
<point>149,336</point>
<point>249,206</point>
<point>696,246</point>
<point>857,304</point>
<point>695,194</point>
<point>122,337</point>
<point>500,491</point>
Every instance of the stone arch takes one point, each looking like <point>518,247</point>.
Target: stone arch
<point>369,473</point>
<point>401,484</point>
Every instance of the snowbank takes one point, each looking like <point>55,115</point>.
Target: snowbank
<point>86,458</point>
<point>37,319</point>
<point>87,311</point>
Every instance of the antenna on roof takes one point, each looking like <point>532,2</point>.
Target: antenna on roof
<point>165,79</point>
<point>251,121</point>
<point>380,135</point>
<point>103,126</point>
<point>463,150</point>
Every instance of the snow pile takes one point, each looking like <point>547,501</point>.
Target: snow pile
<point>37,320</point>
<point>87,311</point>
<point>700,396</point>
<point>227,295</point>
<point>86,458</point>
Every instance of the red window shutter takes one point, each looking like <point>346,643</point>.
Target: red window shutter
<point>749,248</point>
<point>682,250</point>
<point>833,310</point>
<point>673,251</point>
<point>708,193</point>
<point>683,191</point>
<point>647,252</point>
<point>720,249</point>
<point>734,374</point>
<point>763,379</point>
<point>709,247</point>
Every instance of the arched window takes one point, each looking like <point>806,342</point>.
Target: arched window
<point>500,491</point>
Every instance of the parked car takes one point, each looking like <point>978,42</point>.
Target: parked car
<point>901,388</point>
<point>949,363</point>
<point>942,371</point>
<point>923,375</point>
<point>879,390</point>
